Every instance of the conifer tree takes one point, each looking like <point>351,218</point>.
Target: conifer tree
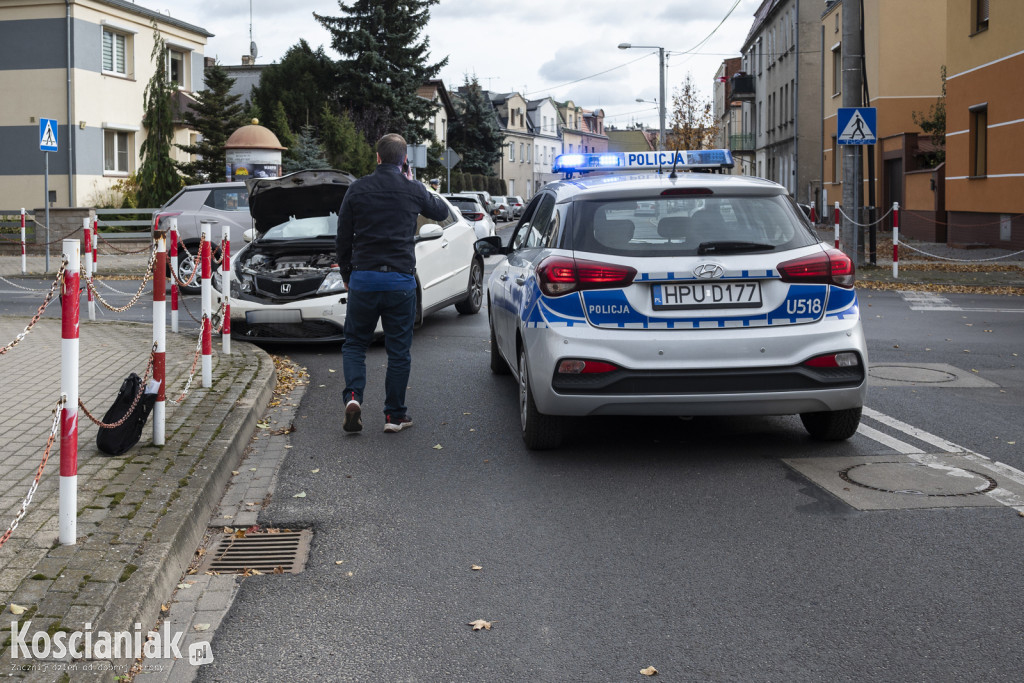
<point>158,178</point>
<point>301,82</point>
<point>308,153</point>
<point>215,116</point>
<point>383,63</point>
<point>278,125</point>
<point>347,149</point>
<point>474,134</point>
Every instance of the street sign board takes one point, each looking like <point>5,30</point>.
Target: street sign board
<point>48,135</point>
<point>450,158</point>
<point>417,155</point>
<point>856,125</point>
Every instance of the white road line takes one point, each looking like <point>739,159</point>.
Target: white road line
<point>927,301</point>
<point>919,434</point>
<point>886,440</point>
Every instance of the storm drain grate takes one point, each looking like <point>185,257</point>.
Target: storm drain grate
<point>283,552</point>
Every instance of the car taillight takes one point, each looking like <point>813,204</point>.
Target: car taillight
<point>575,366</point>
<point>475,216</point>
<point>831,267</point>
<point>844,359</point>
<point>558,275</point>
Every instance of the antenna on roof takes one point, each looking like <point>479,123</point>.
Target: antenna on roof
<point>253,52</point>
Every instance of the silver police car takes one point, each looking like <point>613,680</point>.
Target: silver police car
<point>673,294</point>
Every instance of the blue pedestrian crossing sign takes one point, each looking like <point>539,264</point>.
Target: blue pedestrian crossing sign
<point>856,125</point>
<point>48,135</point>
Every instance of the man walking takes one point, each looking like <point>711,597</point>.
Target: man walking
<point>377,258</point>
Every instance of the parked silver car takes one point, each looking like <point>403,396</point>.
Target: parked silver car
<point>502,208</point>
<point>223,203</point>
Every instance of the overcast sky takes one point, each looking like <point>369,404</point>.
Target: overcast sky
<point>567,50</point>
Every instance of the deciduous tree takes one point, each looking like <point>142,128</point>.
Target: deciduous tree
<point>693,124</point>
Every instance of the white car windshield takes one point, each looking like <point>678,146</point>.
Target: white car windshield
<point>304,228</point>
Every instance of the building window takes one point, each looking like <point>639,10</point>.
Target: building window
<point>115,52</point>
<point>176,67</point>
<point>116,147</point>
<point>979,140</point>
<point>522,158</point>
<point>837,69</point>
<point>511,151</point>
<point>528,153</point>
<point>980,15</point>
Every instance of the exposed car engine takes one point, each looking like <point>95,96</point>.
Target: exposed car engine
<point>287,265</point>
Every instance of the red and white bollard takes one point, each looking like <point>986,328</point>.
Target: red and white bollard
<point>24,266</point>
<point>225,288</point>
<point>68,501</point>
<point>159,337</point>
<point>836,225</point>
<point>174,271</point>
<point>895,239</point>
<point>206,294</point>
<point>95,245</point>
<point>87,231</point>
<point>814,215</point>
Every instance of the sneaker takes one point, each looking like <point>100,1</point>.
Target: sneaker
<point>353,416</point>
<point>397,424</point>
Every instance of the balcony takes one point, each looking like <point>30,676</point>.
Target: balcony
<point>743,142</point>
<point>742,87</point>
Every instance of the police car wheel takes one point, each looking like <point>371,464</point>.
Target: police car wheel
<point>540,432</point>
<point>835,425</point>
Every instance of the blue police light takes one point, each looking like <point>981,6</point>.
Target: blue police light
<point>701,159</point>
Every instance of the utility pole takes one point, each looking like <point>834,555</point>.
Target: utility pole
<point>853,89</point>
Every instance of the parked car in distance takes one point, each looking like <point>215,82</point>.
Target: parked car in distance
<point>699,295</point>
<point>517,204</point>
<point>223,203</point>
<point>502,208</point>
<point>285,283</point>
<point>471,210</point>
<point>484,198</point>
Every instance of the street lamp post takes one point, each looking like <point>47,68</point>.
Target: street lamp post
<point>661,84</point>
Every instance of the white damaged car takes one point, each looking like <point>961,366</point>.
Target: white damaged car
<point>285,282</point>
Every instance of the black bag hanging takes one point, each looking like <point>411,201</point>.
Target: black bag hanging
<point>117,440</point>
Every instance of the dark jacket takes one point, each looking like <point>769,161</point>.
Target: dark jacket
<point>377,221</point>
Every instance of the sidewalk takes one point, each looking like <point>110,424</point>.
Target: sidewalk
<point>140,515</point>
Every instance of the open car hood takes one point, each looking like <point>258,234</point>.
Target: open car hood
<point>303,194</point>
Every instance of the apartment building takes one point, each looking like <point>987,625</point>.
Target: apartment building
<point>86,64</point>
<point>984,170</point>
<point>516,164</point>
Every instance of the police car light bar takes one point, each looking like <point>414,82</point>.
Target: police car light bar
<point>710,159</point>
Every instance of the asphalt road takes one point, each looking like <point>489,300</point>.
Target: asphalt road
<point>687,545</point>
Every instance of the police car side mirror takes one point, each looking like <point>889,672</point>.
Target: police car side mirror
<point>430,231</point>
<point>489,246</point>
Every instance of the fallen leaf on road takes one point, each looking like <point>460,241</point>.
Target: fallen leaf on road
<point>476,567</point>
<point>183,586</point>
<point>438,447</point>
<point>228,530</point>
<point>263,424</point>
<point>315,471</point>
<point>235,473</point>
<point>240,533</point>
<point>165,608</point>
<point>300,495</point>
<point>17,609</point>
<point>279,570</point>
<point>649,671</point>
<point>480,624</point>
<point>339,561</point>
<point>202,627</point>
<point>467,413</point>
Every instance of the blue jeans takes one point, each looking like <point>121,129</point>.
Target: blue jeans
<point>397,312</point>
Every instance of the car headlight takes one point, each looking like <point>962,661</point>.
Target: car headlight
<point>332,283</point>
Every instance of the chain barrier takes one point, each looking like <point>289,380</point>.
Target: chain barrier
<point>904,245</point>
<point>15,284</point>
<point>59,280</point>
<point>39,472</point>
<point>59,239</point>
<point>865,225</point>
<point>138,294</point>
<point>199,349</point>
<point>135,402</point>
<point>119,250</point>
<point>113,289</point>
<point>181,302</point>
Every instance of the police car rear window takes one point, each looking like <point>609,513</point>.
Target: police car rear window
<point>667,226</point>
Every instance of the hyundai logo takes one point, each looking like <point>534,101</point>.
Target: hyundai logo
<point>286,288</point>
<point>708,271</point>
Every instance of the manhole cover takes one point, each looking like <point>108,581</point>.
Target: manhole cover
<point>917,479</point>
<point>908,373</point>
<point>265,552</point>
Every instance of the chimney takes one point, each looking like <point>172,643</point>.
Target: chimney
<point>246,60</point>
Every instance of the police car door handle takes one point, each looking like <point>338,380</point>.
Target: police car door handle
<point>503,277</point>
<point>520,281</point>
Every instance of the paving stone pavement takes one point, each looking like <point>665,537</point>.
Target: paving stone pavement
<point>140,515</point>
